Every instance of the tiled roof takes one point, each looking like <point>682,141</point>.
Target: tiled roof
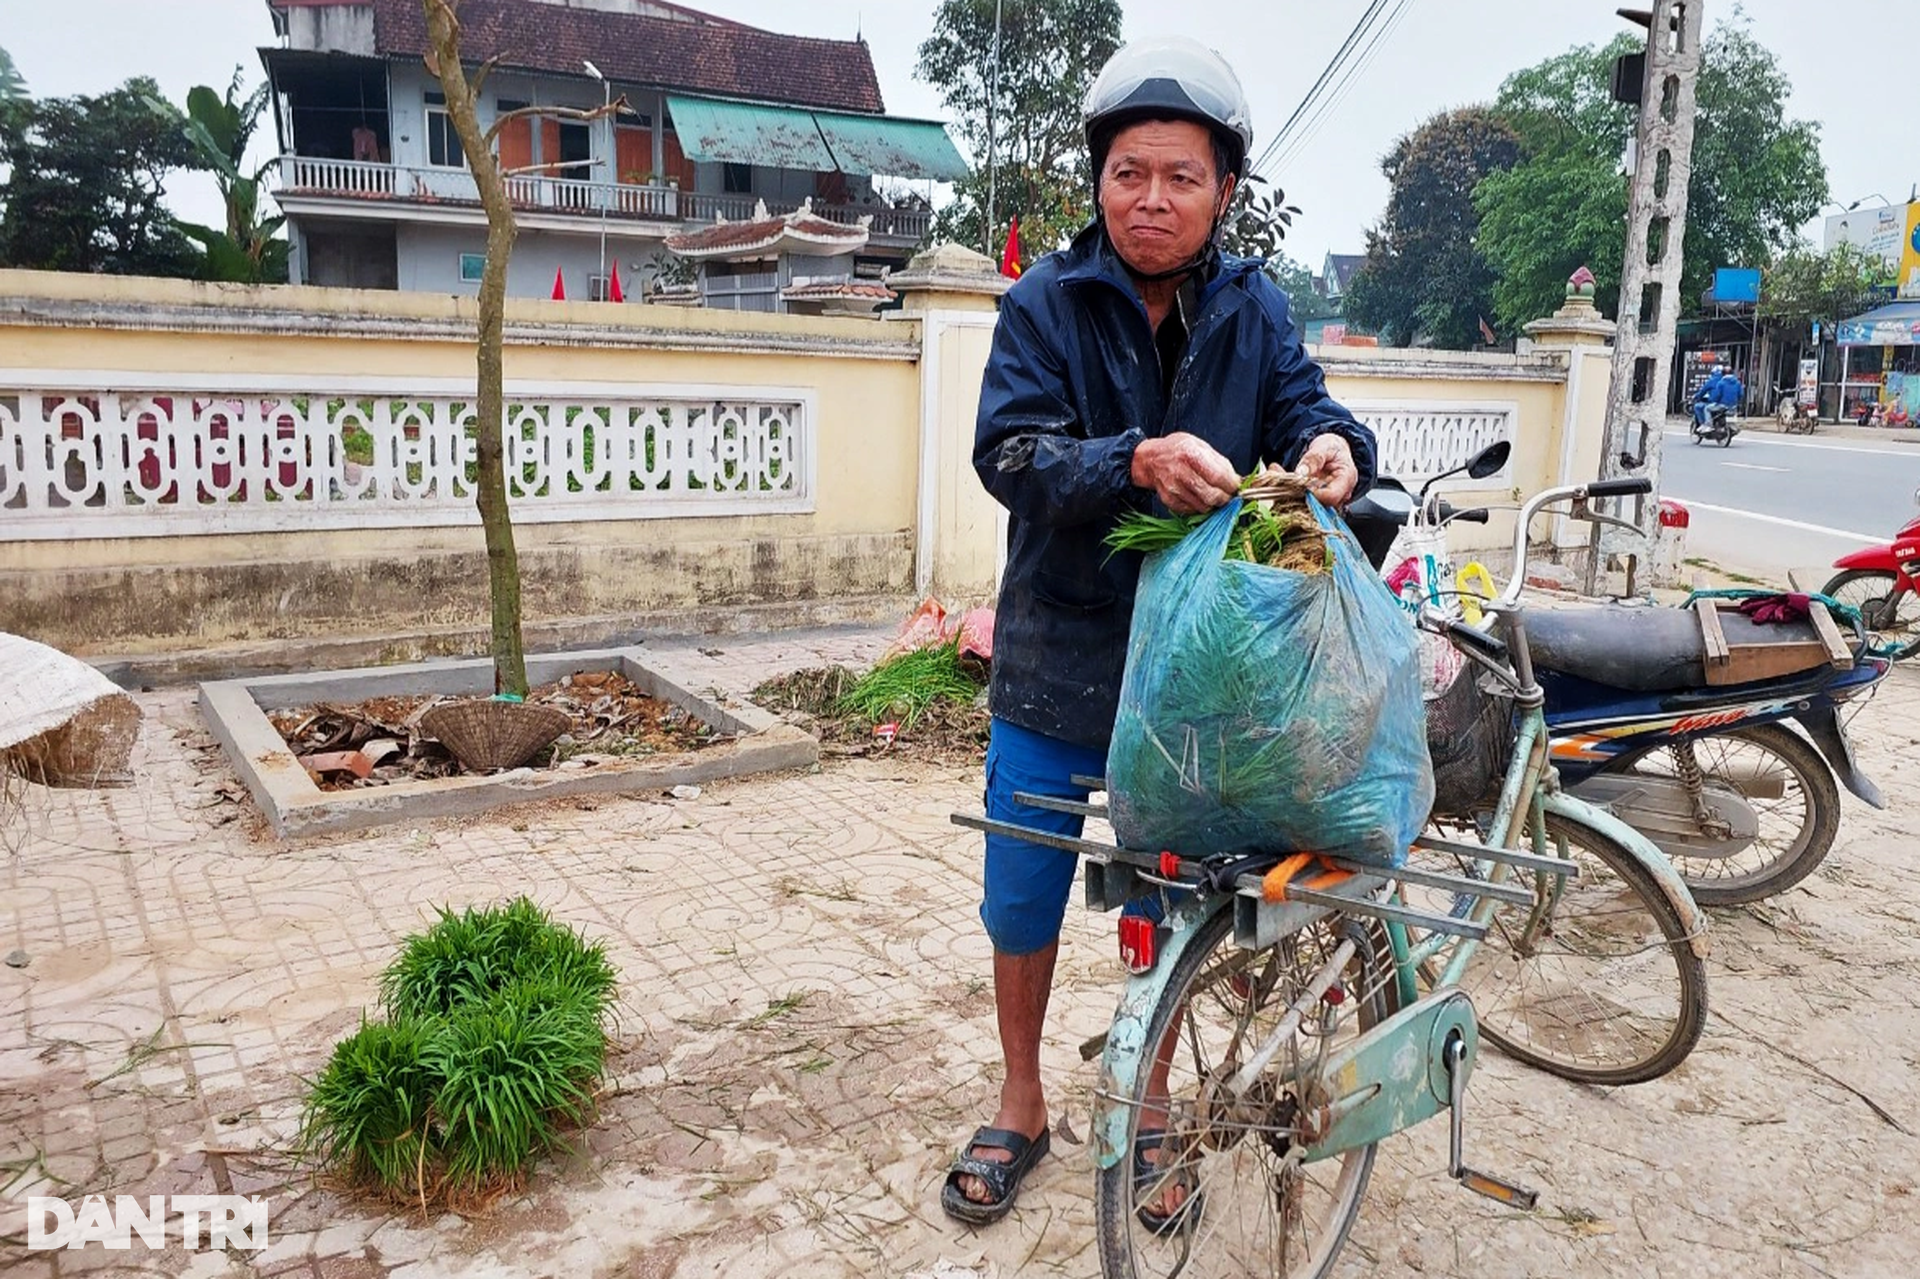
<point>695,57</point>
<point>828,290</point>
<point>726,238</point>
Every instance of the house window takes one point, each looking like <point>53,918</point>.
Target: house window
<point>443,144</point>
<point>576,150</point>
<point>738,179</point>
<point>471,267</point>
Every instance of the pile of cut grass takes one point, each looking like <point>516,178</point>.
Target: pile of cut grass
<point>493,1042</point>
<point>905,687</point>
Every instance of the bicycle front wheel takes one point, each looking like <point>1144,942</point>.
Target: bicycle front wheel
<point>1238,1204</point>
<point>1594,980</point>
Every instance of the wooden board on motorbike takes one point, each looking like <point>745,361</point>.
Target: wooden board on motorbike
<point>1736,650</point>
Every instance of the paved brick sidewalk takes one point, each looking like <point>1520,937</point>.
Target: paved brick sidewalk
<point>806,1030</point>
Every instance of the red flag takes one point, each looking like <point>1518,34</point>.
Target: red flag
<point>613,286</point>
<point>1486,334</point>
<point>559,286</point>
<point>1010,256</point>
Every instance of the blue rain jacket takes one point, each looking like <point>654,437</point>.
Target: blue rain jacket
<point>1072,386</point>
<point>1729,391</point>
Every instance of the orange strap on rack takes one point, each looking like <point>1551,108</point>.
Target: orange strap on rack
<point>1273,887</point>
<point>1322,883</point>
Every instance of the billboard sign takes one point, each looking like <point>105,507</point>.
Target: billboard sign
<point>1885,233</point>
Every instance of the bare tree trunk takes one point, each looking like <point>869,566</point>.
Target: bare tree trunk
<point>490,489</point>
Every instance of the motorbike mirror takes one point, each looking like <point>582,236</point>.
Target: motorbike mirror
<point>1392,505</point>
<point>1490,460</point>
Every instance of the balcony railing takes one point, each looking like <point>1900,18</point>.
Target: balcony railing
<point>359,179</point>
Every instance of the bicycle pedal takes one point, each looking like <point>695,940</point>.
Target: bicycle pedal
<point>1480,1183</point>
<point>1499,1191</point>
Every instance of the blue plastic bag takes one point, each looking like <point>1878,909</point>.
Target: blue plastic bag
<point>1268,710</point>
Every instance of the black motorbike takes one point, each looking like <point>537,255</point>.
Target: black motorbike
<point>1717,429</point>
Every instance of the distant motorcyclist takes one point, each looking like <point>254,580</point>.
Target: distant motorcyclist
<point>1731,393</point>
<point>1706,395</point>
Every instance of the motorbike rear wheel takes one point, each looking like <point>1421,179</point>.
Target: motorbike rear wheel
<point>1891,613</point>
<point>1796,829</point>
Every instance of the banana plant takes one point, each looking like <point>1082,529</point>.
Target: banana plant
<point>220,128</point>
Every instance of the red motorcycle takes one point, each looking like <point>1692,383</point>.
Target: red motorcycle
<point>1883,582</point>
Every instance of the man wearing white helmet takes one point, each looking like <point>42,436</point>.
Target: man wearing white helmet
<point>1140,368</point>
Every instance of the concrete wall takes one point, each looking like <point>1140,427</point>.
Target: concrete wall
<point>332,28</point>
<point>429,259</point>
<point>156,594</point>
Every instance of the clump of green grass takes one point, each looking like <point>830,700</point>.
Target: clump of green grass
<point>908,685</point>
<point>1274,527</point>
<point>466,957</point>
<point>493,1044</point>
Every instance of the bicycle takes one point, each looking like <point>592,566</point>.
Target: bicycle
<point>1282,998</point>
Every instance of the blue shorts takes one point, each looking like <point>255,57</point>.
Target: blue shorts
<point>1027,884</point>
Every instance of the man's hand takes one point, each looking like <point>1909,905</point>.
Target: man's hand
<point>1189,475</point>
<point>1328,468</point>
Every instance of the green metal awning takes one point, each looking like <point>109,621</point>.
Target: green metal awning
<point>892,146</point>
<point>712,129</point>
<point>747,133</point>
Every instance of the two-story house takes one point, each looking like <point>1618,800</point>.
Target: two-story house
<point>722,120</point>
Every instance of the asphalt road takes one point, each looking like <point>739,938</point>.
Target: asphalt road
<point>1768,505</point>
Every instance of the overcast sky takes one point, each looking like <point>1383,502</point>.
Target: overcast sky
<point>1844,61</point>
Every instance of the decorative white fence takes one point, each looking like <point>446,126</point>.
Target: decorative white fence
<point>144,456</point>
<point>1418,441</point>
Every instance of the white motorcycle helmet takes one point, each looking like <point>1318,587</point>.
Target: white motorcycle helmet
<point>1168,77</point>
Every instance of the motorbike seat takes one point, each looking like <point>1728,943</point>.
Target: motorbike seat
<point>1642,650</point>
<point>1646,650</point>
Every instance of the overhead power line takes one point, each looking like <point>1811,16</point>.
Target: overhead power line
<point>1326,73</point>
<point>1305,133</point>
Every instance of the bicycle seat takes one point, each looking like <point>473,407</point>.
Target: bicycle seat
<point>1644,650</point>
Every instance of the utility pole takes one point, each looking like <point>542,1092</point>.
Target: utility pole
<point>606,188</point>
<point>993,121</point>
<point>1660,160</point>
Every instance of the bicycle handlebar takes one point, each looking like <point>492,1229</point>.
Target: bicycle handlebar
<point>1534,505</point>
<point>1628,487</point>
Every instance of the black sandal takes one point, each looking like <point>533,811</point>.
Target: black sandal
<point>1150,1181</point>
<point>1003,1179</point>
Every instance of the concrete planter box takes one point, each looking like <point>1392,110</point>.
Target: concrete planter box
<point>236,710</point>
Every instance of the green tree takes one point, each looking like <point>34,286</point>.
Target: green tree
<point>1425,276</point>
<point>1803,285</point>
<point>1756,175</point>
<point>1050,52</point>
<point>84,183</point>
<point>1297,282</point>
<point>220,129</point>
<point>13,87</point>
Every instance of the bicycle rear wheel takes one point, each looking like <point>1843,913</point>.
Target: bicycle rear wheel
<point>1594,981</point>
<point>1256,1213</point>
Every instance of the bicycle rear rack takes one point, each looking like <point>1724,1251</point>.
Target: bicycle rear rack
<point>1116,875</point>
